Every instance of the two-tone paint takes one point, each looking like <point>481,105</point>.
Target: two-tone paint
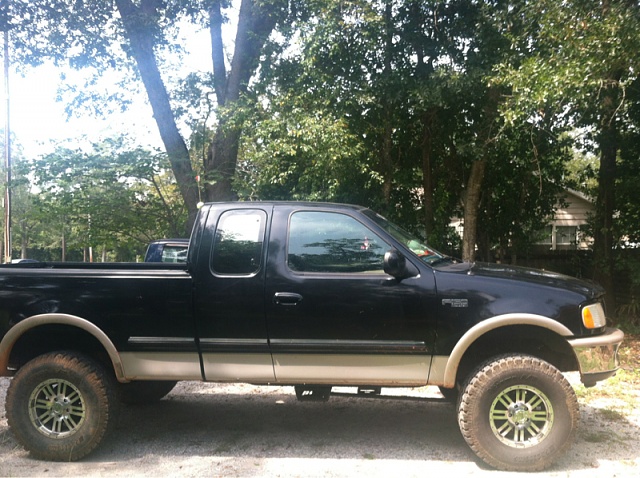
<point>278,326</point>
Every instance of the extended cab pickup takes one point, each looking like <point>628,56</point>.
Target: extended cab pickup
<point>311,295</point>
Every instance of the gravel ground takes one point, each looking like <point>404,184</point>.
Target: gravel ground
<point>246,431</point>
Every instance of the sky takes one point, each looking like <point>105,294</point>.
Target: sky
<point>37,119</point>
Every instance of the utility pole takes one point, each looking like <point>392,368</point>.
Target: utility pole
<point>7,153</point>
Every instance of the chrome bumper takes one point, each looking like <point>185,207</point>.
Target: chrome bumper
<point>598,356</point>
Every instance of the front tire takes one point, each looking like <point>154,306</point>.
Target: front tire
<point>60,406</point>
<point>518,413</point>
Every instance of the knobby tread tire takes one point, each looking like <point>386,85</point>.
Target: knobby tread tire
<point>97,387</point>
<point>489,381</point>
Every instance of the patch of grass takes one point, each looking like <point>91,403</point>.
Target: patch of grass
<point>4,436</point>
<point>228,444</point>
<point>624,385</point>
<point>617,386</point>
<point>607,437</point>
<point>596,437</point>
<point>368,456</point>
<point>618,395</point>
<point>611,415</point>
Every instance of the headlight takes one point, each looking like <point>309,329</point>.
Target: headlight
<point>593,316</point>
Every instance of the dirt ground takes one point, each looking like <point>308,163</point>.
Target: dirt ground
<point>246,431</point>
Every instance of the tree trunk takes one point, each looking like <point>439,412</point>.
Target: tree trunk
<point>138,23</point>
<point>427,171</point>
<point>605,203</point>
<point>256,20</point>
<point>63,247</point>
<point>471,208</point>
<point>24,242</point>
<point>386,163</point>
<point>476,176</point>
<point>386,158</point>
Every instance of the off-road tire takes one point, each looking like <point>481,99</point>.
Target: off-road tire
<point>518,413</point>
<point>60,405</point>
<point>144,391</point>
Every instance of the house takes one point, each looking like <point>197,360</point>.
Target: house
<point>566,230</point>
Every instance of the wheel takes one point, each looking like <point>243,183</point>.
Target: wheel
<point>518,413</point>
<point>60,406</point>
<point>134,393</point>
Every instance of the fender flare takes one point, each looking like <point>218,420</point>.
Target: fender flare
<point>478,330</point>
<point>15,332</point>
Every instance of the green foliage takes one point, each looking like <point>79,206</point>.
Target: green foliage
<point>521,179</point>
<point>113,197</point>
<point>382,103</point>
<point>407,85</point>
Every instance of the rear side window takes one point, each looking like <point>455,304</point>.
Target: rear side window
<point>237,249</point>
<point>328,242</point>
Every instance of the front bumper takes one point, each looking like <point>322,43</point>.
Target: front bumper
<point>598,356</point>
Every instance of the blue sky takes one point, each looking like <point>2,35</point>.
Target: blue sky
<point>37,118</point>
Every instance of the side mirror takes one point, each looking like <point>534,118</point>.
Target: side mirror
<point>395,264</point>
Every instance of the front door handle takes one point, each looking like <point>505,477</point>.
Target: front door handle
<point>286,298</point>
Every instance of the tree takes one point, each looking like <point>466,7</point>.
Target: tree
<point>412,81</point>
<point>78,193</point>
<point>88,34</point>
<point>256,21</point>
<point>583,60</point>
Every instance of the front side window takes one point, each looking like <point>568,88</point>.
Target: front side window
<point>238,242</point>
<point>328,242</point>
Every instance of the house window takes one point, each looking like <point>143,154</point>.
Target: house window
<point>547,236</point>
<point>561,237</point>
<point>566,235</point>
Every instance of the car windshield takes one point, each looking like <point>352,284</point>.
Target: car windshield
<point>413,242</point>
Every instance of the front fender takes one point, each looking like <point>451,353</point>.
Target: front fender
<point>478,330</point>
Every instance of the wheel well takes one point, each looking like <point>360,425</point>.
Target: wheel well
<point>51,337</point>
<point>521,339</point>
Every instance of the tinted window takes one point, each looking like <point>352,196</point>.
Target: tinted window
<point>334,243</point>
<point>238,244</point>
<point>174,253</point>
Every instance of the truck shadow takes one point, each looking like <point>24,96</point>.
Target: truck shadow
<point>264,422</point>
<point>275,424</point>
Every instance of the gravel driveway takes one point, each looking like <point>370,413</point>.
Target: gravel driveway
<point>246,431</point>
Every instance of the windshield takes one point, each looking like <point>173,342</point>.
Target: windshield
<point>413,242</point>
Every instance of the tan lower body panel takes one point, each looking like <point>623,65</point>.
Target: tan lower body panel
<point>342,369</point>
<point>238,367</point>
<point>345,369</point>
<point>161,366</point>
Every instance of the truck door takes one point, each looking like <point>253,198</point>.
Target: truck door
<point>333,315</point>
<point>229,298</point>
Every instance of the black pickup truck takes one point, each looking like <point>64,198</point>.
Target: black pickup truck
<point>311,295</point>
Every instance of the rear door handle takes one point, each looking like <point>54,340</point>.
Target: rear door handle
<point>287,298</point>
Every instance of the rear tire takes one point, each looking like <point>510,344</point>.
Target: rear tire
<point>518,413</point>
<point>61,405</point>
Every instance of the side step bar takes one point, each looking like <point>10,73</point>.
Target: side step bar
<point>322,393</point>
